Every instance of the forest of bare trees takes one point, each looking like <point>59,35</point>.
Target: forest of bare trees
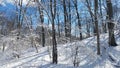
<point>63,21</point>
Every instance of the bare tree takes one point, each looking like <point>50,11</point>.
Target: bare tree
<point>41,9</point>
<point>91,14</point>
<point>66,19</point>
<point>78,18</point>
<point>104,28</point>
<point>110,23</point>
<point>53,14</point>
<point>96,25</point>
<point>58,23</point>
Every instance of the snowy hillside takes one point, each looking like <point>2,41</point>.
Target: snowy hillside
<point>59,34</point>
<point>87,57</point>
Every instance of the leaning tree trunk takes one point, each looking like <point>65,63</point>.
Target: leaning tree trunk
<point>112,41</point>
<point>78,18</point>
<point>91,14</point>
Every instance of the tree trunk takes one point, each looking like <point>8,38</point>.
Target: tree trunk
<point>66,20</point>
<point>96,25</point>
<point>110,23</point>
<point>58,25</point>
<point>42,21</point>
<point>69,19</point>
<point>53,14</point>
<point>78,19</point>
<point>103,24</point>
<point>92,15</point>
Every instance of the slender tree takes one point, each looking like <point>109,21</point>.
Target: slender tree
<point>91,14</point>
<point>78,18</point>
<point>53,14</point>
<point>58,23</point>
<point>42,22</point>
<point>69,18</point>
<point>41,9</point>
<point>101,15</point>
<point>19,24</point>
<point>66,19</point>
<point>96,25</point>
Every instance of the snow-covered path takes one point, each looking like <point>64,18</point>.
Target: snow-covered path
<point>87,56</point>
<point>31,59</point>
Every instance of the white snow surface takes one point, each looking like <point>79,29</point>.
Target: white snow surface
<point>87,57</point>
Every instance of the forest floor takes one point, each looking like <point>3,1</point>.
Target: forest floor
<point>86,57</point>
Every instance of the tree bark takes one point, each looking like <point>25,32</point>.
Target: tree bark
<point>53,14</point>
<point>110,23</point>
<point>96,25</point>
<point>42,22</point>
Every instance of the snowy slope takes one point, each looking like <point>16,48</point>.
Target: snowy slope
<point>87,57</point>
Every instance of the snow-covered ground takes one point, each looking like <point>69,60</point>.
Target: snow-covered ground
<point>86,57</point>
